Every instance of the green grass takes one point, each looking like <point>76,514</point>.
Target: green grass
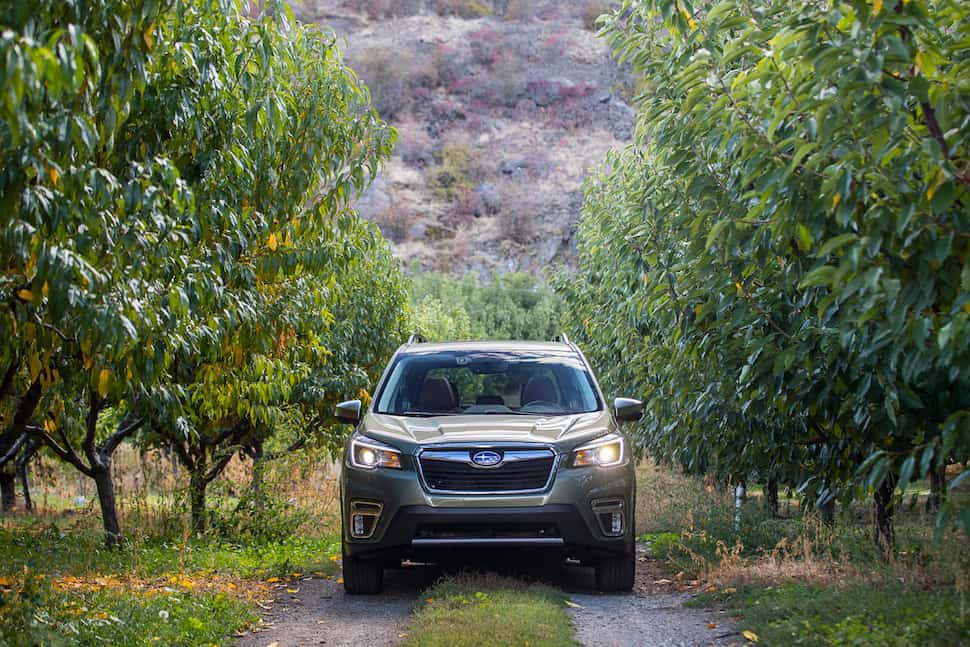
<point>485,611</point>
<point>45,547</point>
<point>38,614</point>
<point>860,615</point>
<point>60,585</point>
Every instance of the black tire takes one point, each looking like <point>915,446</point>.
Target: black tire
<point>616,573</point>
<point>362,576</point>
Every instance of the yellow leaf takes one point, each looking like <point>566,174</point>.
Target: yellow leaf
<point>45,289</point>
<point>334,558</point>
<point>103,379</point>
<point>34,366</point>
<point>934,185</point>
<point>836,199</point>
<point>54,175</point>
<point>340,580</point>
<point>750,635</point>
<point>149,36</point>
<point>876,7</point>
<point>272,242</point>
<point>49,425</point>
<point>273,580</point>
<point>31,264</point>
<point>966,307</point>
<point>25,295</point>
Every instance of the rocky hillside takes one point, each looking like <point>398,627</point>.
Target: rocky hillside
<point>502,107</point>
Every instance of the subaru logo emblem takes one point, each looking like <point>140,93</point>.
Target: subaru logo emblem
<point>486,458</point>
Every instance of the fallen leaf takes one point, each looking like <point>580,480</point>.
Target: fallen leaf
<point>711,589</point>
<point>273,580</point>
<point>712,625</point>
<point>570,603</point>
<point>730,590</point>
<point>340,580</point>
<point>750,635</point>
<point>273,644</point>
<point>664,581</point>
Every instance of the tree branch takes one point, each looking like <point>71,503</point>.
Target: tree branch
<point>14,449</point>
<point>124,431</point>
<point>65,453</point>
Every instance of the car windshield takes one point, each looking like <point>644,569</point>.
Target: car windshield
<point>487,382</point>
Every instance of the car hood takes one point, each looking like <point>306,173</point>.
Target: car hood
<point>565,432</point>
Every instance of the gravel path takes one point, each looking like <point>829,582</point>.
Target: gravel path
<point>319,613</point>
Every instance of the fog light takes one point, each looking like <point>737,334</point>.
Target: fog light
<point>363,518</point>
<point>609,513</point>
<point>616,523</point>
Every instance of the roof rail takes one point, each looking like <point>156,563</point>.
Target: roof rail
<point>416,338</point>
<point>561,337</point>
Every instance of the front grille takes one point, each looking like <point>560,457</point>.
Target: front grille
<point>452,470</point>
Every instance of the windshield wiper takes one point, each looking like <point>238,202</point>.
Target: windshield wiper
<point>425,414</point>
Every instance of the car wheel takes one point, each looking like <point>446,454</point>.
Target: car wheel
<point>362,576</point>
<point>616,573</point>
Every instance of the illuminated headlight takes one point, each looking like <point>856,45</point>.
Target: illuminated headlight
<point>369,454</point>
<point>604,452</point>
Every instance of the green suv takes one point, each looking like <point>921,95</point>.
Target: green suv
<point>483,445</point>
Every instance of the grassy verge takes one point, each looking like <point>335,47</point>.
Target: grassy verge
<point>795,580</point>
<point>814,615</point>
<point>489,611</point>
<point>60,585</point>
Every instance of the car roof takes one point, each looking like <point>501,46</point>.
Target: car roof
<point>510,346</point>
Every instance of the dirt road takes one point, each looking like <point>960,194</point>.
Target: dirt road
<point>319,613</point>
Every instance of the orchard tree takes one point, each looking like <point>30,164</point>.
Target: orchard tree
<point>785,247</point>
<point>175,175</point>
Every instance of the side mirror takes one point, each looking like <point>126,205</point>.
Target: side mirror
<point>627,409</point>
<point>348,412</point>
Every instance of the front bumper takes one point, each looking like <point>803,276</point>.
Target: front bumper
<point>415,522</point>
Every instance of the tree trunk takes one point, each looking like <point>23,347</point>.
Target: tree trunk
<point>259,470</point>
<point>937,489</point>
<point>197,486</point>
<point>771,496</point>
<point>884,532</point>
<point>24,476</point>
<point>109,507</point>
<point>8,491</point>
<point>826,510</point>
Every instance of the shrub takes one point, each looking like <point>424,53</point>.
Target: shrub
<point>386,76</point>
<point>261,517</point>
<point>522,10</point>
<point>463,8</point>
<point>458,167</point>
<point>592,11</point>
<point>393,222</point>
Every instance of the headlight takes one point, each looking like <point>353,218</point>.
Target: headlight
<point>604,452</point>
<point>369,454</point>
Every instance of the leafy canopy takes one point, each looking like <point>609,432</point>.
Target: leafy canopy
<point>781,261</point>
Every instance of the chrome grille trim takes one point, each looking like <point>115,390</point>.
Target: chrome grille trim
<point>512,453</point>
